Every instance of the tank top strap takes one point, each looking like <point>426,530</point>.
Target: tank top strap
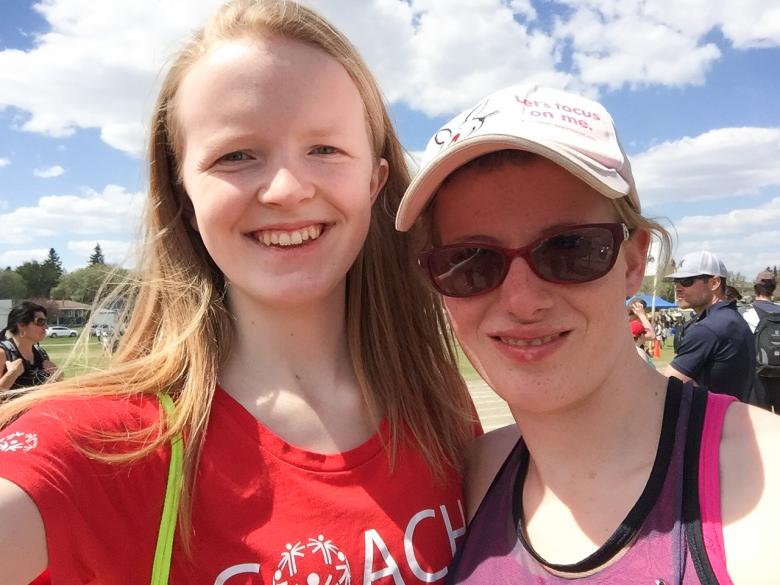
<point>701,514</point>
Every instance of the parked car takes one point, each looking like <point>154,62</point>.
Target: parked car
<point>60,331</point>
<point>100,329</point>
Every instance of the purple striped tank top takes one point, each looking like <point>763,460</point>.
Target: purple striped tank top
<point>672,535</point>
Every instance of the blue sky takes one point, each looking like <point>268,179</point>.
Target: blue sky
<point>693,86</point>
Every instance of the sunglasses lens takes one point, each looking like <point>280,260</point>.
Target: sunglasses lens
<point>462,271</point>
<point>686,282</point>
<point>578,255</point>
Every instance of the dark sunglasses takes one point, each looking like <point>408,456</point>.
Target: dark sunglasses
<point>40,321</point>
<point>571,255</point>
<point>689,280</point>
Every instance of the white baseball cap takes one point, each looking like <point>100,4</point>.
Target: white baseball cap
<point>574,132</point>
<point>699,264</point>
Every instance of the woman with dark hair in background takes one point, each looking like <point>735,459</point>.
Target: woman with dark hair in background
<point>25,363</point>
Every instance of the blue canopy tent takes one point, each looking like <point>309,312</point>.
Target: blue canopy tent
<point>659,302</point>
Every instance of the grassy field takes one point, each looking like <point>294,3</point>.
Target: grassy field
<point>76,359</point>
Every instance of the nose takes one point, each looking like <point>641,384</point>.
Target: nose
<point>287,187</point>
<point>523,293</point>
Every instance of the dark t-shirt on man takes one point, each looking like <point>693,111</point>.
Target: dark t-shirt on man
<point>718,351</point>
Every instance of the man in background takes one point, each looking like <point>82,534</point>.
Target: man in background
<point>717,350</point>
<point>763,318</point>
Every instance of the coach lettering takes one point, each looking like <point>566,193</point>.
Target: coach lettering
<point>453,534</point>
<point>418,571</point>
<point>253,568</point>
<point>373,540</point>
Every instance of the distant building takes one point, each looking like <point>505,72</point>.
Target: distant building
<point>5,308</point>
<point>71,312</point>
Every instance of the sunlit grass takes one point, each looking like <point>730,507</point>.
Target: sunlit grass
<point>74,356</point>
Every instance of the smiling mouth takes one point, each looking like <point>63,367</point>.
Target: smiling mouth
<point>535,342</point>
<point>287,238</point>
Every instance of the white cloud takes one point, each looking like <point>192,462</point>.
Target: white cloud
<point>49,172</point>
<point>621,44</point>
<point>440,56</point>
<point>745,239</point>
<point>639,43</point>
<point>14,258</point>
<point>114,212</point>
<point>101,62</point>
<point>721,163</point>
<point>4,162</point>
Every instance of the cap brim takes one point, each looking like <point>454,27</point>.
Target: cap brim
<point>604,180</point>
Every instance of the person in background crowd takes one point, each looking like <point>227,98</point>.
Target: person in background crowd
<point>613,474</point>
<point>278,332</point>
<point>25,363</point>
<point>732,294</point>
<point>767,374</point>
<point>641,328</point>
<point>716,350</point>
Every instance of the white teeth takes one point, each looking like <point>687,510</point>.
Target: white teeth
<point>526,342</point>
<point>289,238</point>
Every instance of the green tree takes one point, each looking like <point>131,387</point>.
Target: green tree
<point>39,278</point>
<point>97,256</point>
<point>54,262</point>
<point>82,285</point>
<point>12,286</point>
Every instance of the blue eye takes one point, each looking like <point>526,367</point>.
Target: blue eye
<point>236,156</point>
<point>324,149</point>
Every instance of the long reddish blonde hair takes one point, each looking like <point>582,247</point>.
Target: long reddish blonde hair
<point>179,328</point>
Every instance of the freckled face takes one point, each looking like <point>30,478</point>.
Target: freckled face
<point>539,345</point>
<point>277,163</point>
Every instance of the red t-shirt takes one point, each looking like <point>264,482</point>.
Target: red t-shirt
<point>264,511</point>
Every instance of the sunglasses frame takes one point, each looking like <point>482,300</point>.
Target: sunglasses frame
<point>687,281</point>
<point>619,230</point>
<point>37,324</point>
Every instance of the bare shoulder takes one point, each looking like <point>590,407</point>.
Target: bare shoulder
<point>485,457</point>
<point>750,493</point>
<point>22,536</point>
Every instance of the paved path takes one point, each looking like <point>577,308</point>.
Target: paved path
<point>493,411</point>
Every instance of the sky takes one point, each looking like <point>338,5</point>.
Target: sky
<point>692,85</point>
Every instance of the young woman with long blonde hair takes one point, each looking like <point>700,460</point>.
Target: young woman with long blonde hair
<point>319,404</point>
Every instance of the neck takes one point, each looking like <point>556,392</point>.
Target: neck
<point>301,348</point>
<point>763,298</point>
<point>291,369</point>
<point>714,299</point>
<point>25,344</point>
<point>611,433</point>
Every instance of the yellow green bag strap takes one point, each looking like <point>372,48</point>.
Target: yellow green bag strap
<point>162,553</point>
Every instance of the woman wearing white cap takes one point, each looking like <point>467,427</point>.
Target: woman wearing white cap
<point>613,473</point>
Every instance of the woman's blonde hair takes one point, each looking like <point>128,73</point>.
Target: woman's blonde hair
<point>179,328</point>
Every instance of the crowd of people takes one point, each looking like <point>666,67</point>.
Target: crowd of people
<point>285,404</point>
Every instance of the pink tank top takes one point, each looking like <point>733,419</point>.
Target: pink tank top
<point>672,536</point>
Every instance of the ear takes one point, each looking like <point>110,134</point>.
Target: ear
<point>635,255</point>
<point>188,209</point>
<point>715,284</point>
<point>379,178</point>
